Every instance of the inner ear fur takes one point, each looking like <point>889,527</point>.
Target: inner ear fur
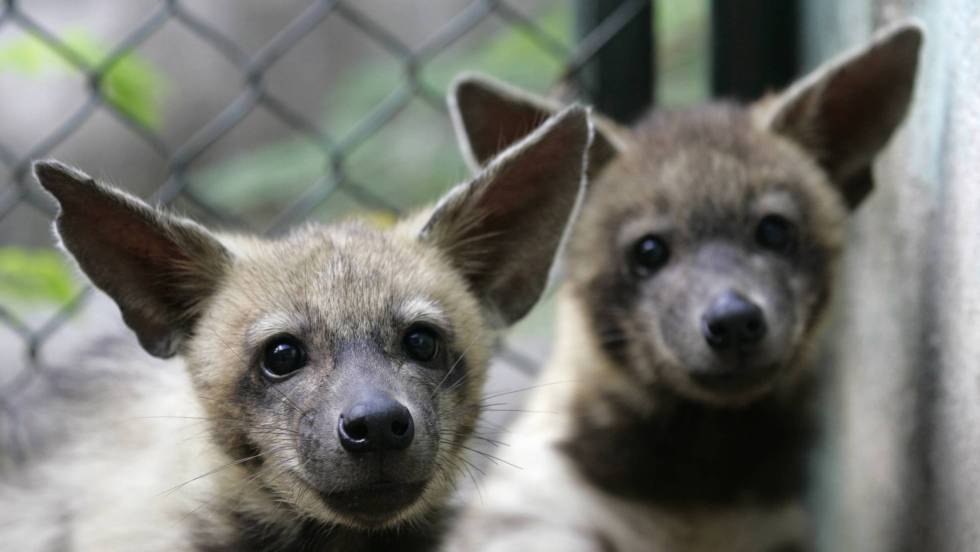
<point>158,268</point>
<point>503,229</point>
<point>489,116</point>
<point>844,112</point>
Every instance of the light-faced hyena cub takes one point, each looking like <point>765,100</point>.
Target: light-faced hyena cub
<point>337,370</point>
<point>697,275</point>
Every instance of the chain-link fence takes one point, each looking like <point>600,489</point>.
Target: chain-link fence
<point>105,92</point>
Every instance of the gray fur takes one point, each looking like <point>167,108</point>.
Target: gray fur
<point>664,441</point>
<point>206,451</point>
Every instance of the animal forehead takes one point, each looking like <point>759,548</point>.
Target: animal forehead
<point>715,151</point>
<point>352,272</point>
<point>719,180</point>
<point>706,184</point>
<point>705,159</point>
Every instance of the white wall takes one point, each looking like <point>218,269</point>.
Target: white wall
<point>906,415</point>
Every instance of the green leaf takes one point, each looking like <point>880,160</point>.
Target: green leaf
<point>28,56</point>
<point>130,84</point>
<point>35,276</point>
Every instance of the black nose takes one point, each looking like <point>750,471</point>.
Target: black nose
<point>376,423</point>
<point>733,321</point>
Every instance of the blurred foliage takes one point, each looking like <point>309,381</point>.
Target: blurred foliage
<point>131,84</point>
<point>411,159</point>
<point>414,157</point>
<point>35,276</point>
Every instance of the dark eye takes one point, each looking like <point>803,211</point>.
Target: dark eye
<point>421,343</point>
<point>282,356</point>
<point>648,255</point>
<point>776,233</point>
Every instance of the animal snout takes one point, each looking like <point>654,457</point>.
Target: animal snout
<point>732,321</point>
<point>376,423</point>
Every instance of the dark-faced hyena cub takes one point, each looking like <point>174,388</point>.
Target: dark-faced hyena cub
<point>332,376</point>
<point>697,275</point>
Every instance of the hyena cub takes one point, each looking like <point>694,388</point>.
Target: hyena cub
<point>337,370</point>
<point>696,279</point>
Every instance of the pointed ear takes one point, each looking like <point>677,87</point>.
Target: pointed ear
<point>845,112</point>
<point>489,116</point>
<point>158,268</point>
<point>503,229</point>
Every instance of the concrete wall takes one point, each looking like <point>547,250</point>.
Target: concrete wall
<point>905,418</point>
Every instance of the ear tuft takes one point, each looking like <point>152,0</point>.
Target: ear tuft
<point>57,177</point>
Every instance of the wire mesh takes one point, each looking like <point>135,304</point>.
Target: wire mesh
<point>253,94</point>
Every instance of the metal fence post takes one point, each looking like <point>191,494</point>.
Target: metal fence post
<point>619,80</point>
<point>754,46</point>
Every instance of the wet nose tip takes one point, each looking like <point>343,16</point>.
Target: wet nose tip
<point>733,321</point>
<point>376,423</point>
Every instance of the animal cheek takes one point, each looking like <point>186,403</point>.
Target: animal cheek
<point>429,414</point>
<point>674,323</point>
<point>317,439</point>
<point>818,300</point>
